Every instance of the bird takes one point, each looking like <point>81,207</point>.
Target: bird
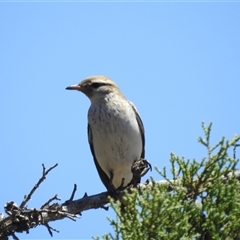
<point>116,133</point>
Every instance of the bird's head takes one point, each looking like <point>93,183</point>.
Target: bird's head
<point>95,87</point>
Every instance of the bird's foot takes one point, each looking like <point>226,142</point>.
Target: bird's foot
<point>121,187</point>
<point>139,169</point>
<point>115,192</point>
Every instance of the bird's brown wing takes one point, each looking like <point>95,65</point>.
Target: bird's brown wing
<point>105,179</point>
<point>141,128</point>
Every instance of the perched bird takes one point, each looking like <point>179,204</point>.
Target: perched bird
<point>115,131</point>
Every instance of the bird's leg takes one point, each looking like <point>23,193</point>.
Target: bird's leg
<point>111,189</point>
<point>139,169</point>
<point>122,183</point>
<point>146,166</point>
<point>121,187</point>
<point>114,192</point>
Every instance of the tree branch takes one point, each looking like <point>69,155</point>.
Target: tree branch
<point>21,219</point>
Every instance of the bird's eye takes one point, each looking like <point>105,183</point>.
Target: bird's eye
<point>96,85</point>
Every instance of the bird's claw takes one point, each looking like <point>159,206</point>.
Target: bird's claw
<point>141,167</point>
<point>115,192</point>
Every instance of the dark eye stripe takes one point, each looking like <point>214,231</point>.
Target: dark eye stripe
<point>96,85</point>
<point>99,84</point>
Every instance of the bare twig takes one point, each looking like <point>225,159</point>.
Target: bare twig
<point>73,192</point>
<point>23,219</point>
<point>14,236</point>
<point>50,229</point>
<point>49,201</point>
<point>44,174</point>
<point>85,195</point>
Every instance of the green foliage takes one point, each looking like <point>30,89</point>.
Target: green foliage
<point>201,201</point>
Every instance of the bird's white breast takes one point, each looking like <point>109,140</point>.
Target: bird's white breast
<point>116,137</point>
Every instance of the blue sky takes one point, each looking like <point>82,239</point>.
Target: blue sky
<point>178,62</point>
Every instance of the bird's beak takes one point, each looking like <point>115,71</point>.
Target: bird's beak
<point>74,87</point>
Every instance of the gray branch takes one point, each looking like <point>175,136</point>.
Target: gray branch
<point>21,219</point>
